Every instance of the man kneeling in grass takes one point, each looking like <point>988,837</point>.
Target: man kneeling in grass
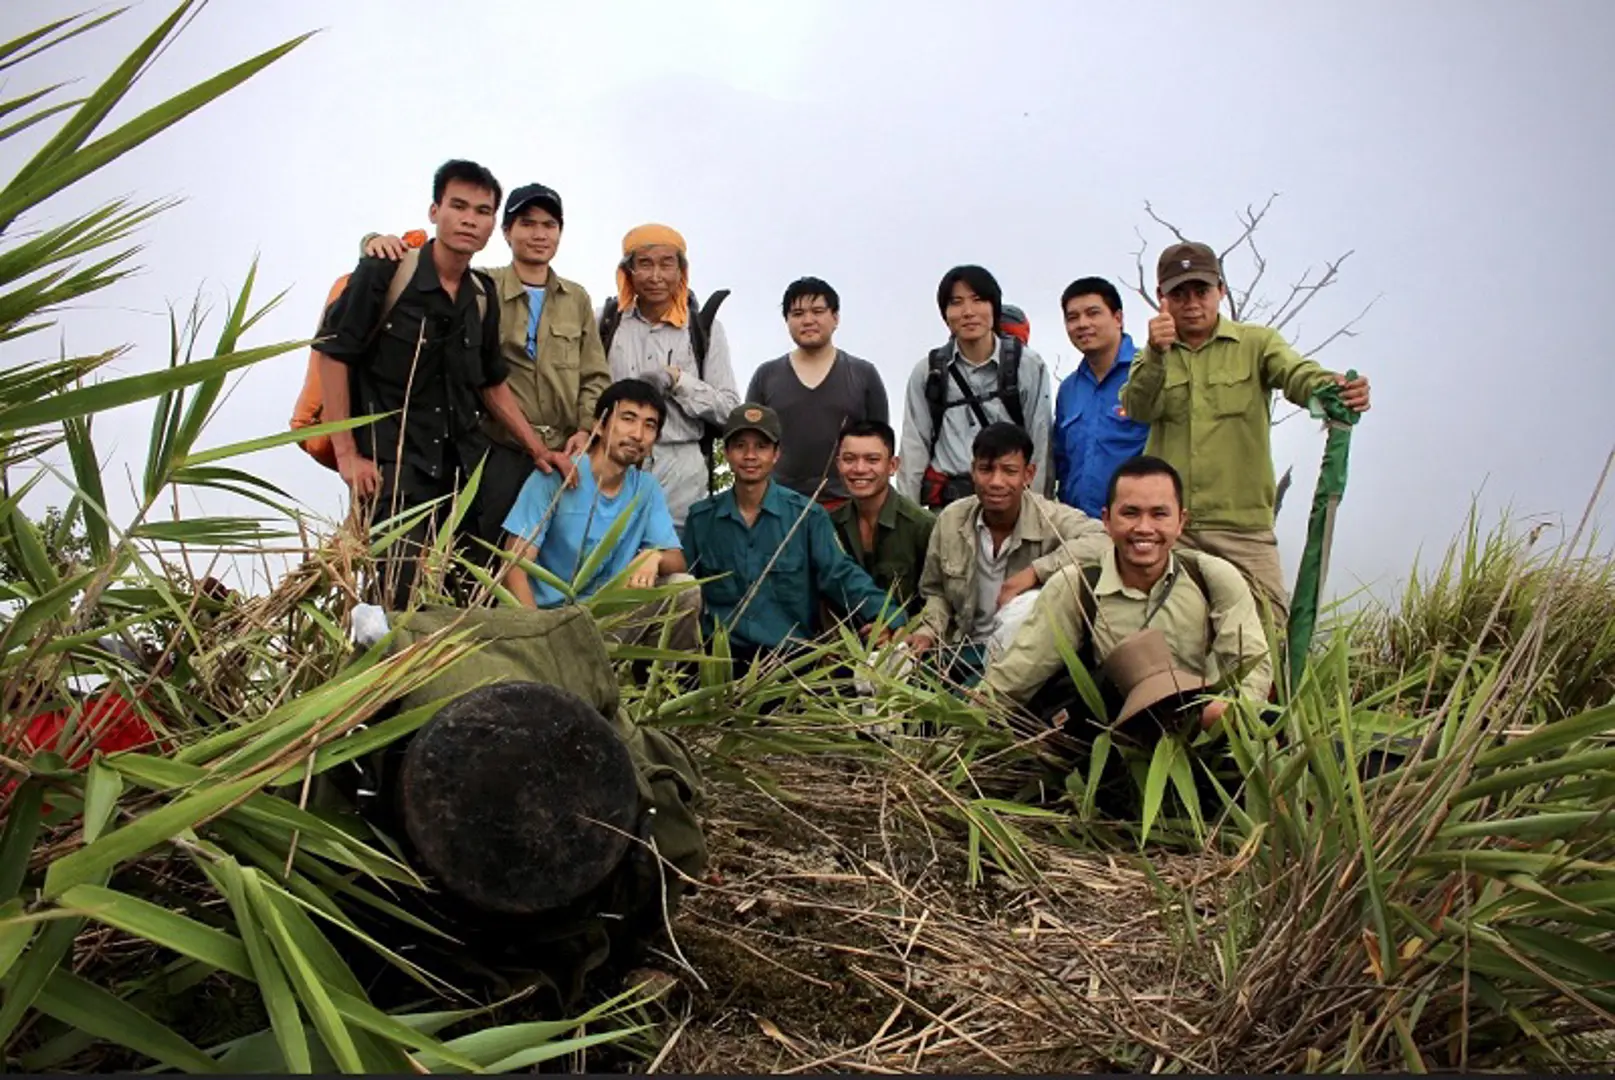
<point>559,528</point>
<point>1111,602</point>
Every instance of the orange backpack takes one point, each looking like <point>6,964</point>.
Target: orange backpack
<point>311,400</point>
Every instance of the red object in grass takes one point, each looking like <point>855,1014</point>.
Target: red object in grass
<point>112,720</point>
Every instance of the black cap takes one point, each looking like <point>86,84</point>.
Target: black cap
<point>748,416</point>
<point>526,196</point>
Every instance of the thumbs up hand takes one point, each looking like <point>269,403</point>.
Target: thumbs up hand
<point>1163,329</point>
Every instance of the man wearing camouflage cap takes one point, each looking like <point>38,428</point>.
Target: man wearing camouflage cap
<point>772,552</point>
<point>1205,386</point>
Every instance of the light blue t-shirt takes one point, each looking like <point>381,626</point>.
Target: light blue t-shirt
<point>581,520</point>
<point>535,312</point>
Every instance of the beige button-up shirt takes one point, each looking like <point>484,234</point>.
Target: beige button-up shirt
<point>558,387</point>
<point>949,583</point>
<point>1211,636</point>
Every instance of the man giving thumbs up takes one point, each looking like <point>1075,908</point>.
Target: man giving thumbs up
<point>1205,386</point>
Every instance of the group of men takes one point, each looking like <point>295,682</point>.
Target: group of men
<point>1139,496</point>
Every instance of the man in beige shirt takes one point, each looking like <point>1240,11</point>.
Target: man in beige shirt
<point>989,553</point>
<point>1201,604</point>
<point>549,340</point>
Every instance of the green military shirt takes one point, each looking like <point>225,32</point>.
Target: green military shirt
<point>1210,411</point>
<point>902,532</point>
<point>1212,634</point>
<point>558,388</point>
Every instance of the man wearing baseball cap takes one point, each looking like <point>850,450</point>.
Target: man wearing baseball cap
<point>771,552</point>
<point>548,338</point>
<point>1204,384</point>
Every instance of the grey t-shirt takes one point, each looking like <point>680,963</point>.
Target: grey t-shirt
<point>811,420</point>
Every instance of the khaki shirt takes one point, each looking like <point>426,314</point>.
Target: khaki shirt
<point>1211,636</point>
<point>558,389</point>
<point>1210,411</point>
<point>948,582</point>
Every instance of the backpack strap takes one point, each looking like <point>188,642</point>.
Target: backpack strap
<point>610,316</point>
<point>700,327</point>
<point>1009,378</point>
<point>937,362</point>
<point>1088,605</point>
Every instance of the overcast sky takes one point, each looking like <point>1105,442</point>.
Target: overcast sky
<point>1460,149</point>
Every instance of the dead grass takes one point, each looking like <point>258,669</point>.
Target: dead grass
<point>837,933</point>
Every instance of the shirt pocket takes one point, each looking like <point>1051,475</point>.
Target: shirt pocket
<point>400,336</point>
<point>565,344</point>
<point>1175,395</point>
<point>789,574</point>
<point>1118,432</point>
<point>1229,388</point>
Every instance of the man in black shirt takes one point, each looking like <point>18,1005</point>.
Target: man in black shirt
<point>430,360</point>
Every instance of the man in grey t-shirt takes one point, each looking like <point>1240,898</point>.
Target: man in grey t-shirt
<point>816,389</point>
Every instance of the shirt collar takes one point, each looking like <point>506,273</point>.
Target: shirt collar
<point>1124,360</point>
<point>426,277</point>
<point>1227,329</point>
<point>773,502</point>
<point>1110,578</point>
<point>511,284</point>
<point>992,357</point>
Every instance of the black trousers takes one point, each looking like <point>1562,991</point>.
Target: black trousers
<point>404,489</point>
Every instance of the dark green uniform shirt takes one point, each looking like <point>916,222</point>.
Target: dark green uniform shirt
<point>810,564</point>
<point>902,532</point>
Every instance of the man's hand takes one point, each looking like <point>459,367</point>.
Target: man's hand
<point>547,460</point>
<point>1353,394</point>
<point>1212,713</point>
<point>643,574</point>
<point>360,474</point>
<point>1163,329</point>
<point>920,643</point>
<point>578,443</point>
<point>674,374</point>
<point>385,247</point>
<point>1016,584</point>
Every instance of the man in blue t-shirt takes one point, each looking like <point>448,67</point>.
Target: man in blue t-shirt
<point>562,529</point>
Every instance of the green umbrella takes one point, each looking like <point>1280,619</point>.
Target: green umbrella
<point>1327,406</point>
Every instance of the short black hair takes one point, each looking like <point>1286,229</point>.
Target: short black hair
<point>866,429</point>
<point>634,391</point>
<point>810,286</point>
<point>980,282</point>
<point>468,171</point>
<point>1145,465</point>
<point>1092,286</point>
<point>1000,439</point>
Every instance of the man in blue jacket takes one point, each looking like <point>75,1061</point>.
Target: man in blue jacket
<point>1092,435</point>
<point>772,552</point>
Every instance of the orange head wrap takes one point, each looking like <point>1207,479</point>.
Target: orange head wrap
<point>651,236</point>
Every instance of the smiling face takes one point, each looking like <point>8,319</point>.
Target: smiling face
<point>751,456</point>
<point>969,317</point>
<point>655,273</point>
<point>811,322</point>
<point>534,236</point>
<point>866,465</point>
<point>1000,481</point>
<point>1144,520</point>
<point>1092,327</point>
<point>464,218</point>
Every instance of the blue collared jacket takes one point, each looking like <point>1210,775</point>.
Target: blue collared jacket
<point>1091,435</point>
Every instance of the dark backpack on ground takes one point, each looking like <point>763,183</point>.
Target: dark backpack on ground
<point>700,327</point>
<point>939,365</point>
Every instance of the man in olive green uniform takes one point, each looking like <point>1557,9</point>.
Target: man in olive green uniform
<point>1200,603</point>
<point>1205,386</point>
<point>886,532</point>
<point>548,338</point>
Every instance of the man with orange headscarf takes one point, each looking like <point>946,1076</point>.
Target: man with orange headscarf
<point>650,335</point>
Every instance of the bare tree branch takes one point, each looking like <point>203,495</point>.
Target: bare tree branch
<point>1251,218</point>
<point>1138,262</point>
<point>1307,292</point>
<point>1167,225</point>
<point>1349,330</point>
